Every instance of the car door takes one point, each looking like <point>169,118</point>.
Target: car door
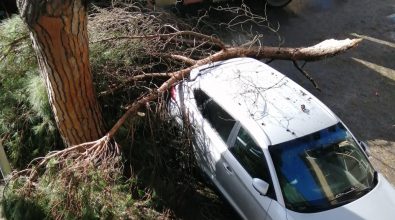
<point>244,161</point>
<point>208,143</point>
<point>215,129</point>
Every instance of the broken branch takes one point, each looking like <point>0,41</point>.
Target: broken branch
<point>325,49</point>
<point>307,75</point>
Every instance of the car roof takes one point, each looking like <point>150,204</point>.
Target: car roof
<point>248,88</point>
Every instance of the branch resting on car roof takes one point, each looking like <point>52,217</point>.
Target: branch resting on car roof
<point>322,50</point>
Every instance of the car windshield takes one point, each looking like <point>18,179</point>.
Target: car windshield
<point>322,170</point>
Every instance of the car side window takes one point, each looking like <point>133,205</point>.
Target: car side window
<point>218,118</point>
<point>251,158</point>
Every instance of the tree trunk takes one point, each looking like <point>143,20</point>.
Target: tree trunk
<point>60,39</point>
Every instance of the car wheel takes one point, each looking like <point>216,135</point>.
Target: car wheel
<point>180,5</point>
<point>278,3</point>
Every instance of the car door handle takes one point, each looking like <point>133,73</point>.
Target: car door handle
<point>228,168</point>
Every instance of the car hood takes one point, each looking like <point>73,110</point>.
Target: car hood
<point>377,204</point>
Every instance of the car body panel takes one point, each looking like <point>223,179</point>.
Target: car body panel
<point>208,146</point>
<point>223,169</point>
<point>233,178</point>
<point>276,211</point>
<point>273,101</point>
<point>377,204</point>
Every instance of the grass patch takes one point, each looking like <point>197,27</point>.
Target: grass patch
<point>27,128</point>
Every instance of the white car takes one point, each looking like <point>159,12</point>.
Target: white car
<point>274,150</point>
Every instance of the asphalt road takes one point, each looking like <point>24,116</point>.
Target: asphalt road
<point>359,86</point>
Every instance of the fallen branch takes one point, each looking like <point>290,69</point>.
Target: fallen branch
<point>322,50</point>
<point>104,150</point>
<point>325,49</point>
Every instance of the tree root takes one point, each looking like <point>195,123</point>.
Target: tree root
<point>63,178</point>
<point>89,151</point>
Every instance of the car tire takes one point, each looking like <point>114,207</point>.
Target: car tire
<point>278,3</point>
<point>179,7</point>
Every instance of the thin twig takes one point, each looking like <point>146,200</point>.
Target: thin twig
<point>213,39</point>
<point>307,75</point>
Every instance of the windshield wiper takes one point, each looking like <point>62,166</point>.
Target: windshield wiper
<point>345,193</point>
<point>357,189</point>
<point>339,195</point>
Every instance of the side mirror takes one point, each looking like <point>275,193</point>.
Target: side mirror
<point>260,186</point>
<point>365,147</point>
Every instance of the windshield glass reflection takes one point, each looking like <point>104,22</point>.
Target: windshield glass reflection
<point>322,170</point>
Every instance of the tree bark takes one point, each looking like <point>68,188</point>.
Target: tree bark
<point>60,39</point>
